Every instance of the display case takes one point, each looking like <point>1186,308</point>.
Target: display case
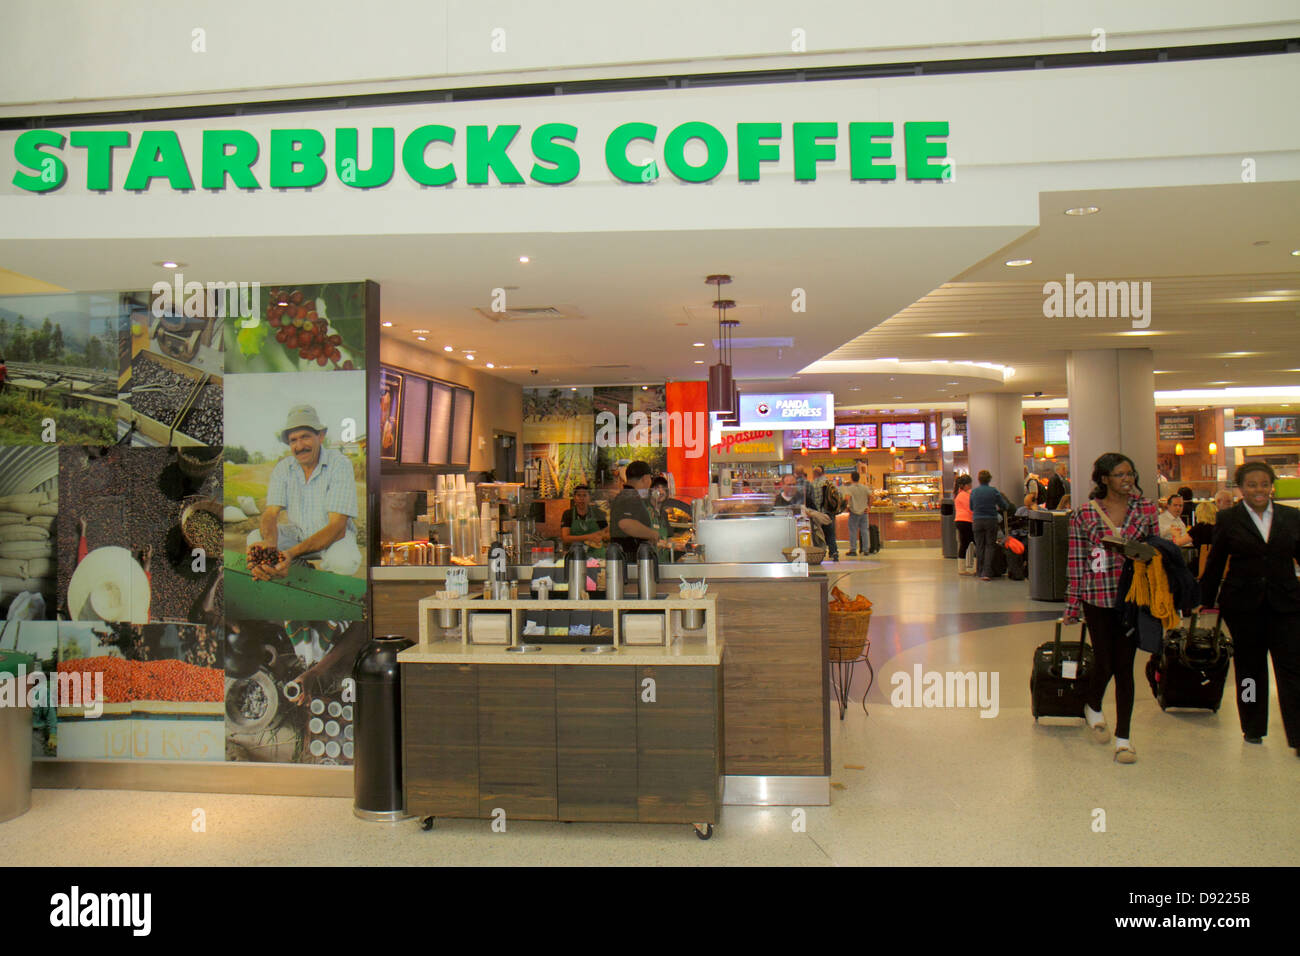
<point>913,493</point>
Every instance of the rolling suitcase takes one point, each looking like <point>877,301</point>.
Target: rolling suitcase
<point>873,539</point>
<point>1191,668</point>
<point>1016,570</point>
<point>1061,675</point>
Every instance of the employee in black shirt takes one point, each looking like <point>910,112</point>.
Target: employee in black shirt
<point>583,525</point>
<point>629,517</point>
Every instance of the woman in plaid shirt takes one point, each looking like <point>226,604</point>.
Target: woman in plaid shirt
<point>1115,507</point>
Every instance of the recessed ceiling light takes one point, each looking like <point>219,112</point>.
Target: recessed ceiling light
<point>698,345</point>
<point>1220,383</point>
<point>448,348</point>
<point>524,259</point>
<point>421,338</point>
<point>469,358</point>
<point>573,388</point>
<point>947,335</point>
<point>387,325</point>
<point>1141,332</point>
<point>168,264</point>
<point>1160,371</point>
<point>1082,210</point>
<point>1236,354</point>
<point>420,331</point>
<point>1018,262</point>
<point>490,365</point>
<point>699,361</point>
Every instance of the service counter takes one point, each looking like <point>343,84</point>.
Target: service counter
<point>769,649</point>
<point>914,528</point>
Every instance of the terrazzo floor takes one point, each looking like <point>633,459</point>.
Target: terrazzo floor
<point>911,786</point>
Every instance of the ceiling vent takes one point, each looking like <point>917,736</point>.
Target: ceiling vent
<point>533,313</point>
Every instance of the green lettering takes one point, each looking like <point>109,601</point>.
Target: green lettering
<point>51,171</point>
<point>616,150</point>
<point>675,152</point>
<point>383,139</point>
<point>547,150</point>
<point>807,151</point>
<point>158,155</point>
<point>297,147</point>
<point>863,151</point>
<point>413,150</point>
<point>484,152</point>
<point>218,164</point>
<point>920,150</point>
<point>99,146</point>
<point>750,152</point>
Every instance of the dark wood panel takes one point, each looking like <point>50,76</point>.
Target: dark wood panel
<point>395,606</point>
<point>440,739</point>
<point>596,753</point>
<point>516,741</point>
<point>778,711</point>
<point>678,746</point>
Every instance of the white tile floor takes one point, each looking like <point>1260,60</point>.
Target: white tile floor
<point>938,786</point>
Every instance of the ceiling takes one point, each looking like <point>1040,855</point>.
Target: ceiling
<point>1218,257</point>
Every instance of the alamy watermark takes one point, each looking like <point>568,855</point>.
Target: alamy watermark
<point>687,430</point>
<point>227,300</point>
<point>1099,300</point>
<point>65,689</point>
<point>946,689</point>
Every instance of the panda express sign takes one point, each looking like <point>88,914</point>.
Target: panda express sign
<point>102,160</point>
<point>787,410</point>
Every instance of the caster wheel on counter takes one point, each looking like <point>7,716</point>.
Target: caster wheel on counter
<point>426,823</point>
<point>705,833</point>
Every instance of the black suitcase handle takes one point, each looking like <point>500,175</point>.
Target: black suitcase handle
<point>1216,636</point>
<point>1056,644</point>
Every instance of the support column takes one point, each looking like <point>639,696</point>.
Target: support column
<point>996,429</point>
<point>1112,408</point>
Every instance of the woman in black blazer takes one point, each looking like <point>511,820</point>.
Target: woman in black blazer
<point>1259,599</point>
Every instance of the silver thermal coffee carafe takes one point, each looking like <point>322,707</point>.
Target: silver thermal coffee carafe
<point>647,571</point>
<point>615,572</point>
<point>575,567</point>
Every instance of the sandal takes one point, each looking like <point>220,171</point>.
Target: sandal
<point>1126,755</point>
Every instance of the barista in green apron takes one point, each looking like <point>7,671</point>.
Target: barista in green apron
<point>658,519</point>
<point>582,524</point>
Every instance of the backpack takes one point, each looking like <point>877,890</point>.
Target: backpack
<point>832,500</point>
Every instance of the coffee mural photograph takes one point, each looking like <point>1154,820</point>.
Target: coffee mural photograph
<point>294,473</point>
<point>59,354</point>
<point>29,504</point>
<point>300,328</point>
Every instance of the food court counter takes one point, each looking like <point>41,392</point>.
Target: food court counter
<point>772,629</point>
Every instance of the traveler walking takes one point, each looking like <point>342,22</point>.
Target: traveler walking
<point>1259,599</point>
<point>1115,507</point>
<point>828,500</point>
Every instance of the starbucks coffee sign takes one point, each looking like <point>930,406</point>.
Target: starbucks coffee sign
<point>102,160</point>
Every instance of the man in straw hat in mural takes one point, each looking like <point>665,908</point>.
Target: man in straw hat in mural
<point>316,489</point>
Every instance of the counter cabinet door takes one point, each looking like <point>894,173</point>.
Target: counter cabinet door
<point>440,739</point>
<point>516,741</point>
<point>596,753</point>
<point>678,745</point>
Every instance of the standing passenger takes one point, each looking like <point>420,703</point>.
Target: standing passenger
<point>963,519</point>
<point>986,505</point>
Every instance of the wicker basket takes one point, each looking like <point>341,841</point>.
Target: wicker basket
<point>847,632</point>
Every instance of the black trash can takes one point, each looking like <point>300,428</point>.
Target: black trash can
<point>377,769</point>
<point>1049,548</point>
<point>948,527</point>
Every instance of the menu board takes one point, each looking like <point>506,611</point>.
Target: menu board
<point>814,439</point>
<point>855,436</point>
<point>1176,427</point>
<point>1283,425</point>
<point>1056,431</point>
<point>415,410</point>
<point>902,434</point>
<point>1273,426</point>
<point>439,450</point>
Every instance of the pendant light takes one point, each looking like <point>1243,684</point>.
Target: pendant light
<point>722,385</point>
